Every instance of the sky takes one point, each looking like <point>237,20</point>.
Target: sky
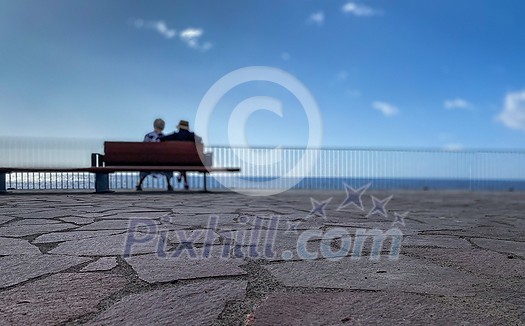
<point>446,74</point>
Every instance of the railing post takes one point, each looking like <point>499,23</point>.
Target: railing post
<point>102,182</point>
<point>2,182</point>
<point>204,176</point>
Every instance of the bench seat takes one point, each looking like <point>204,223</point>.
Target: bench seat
<point>111,169</point>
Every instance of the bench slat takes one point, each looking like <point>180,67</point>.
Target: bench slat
<point>161,169</point>
<point>171,153</point>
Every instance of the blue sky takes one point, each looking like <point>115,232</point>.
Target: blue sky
<point>385,73</point>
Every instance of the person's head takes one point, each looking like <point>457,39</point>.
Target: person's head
<point>158,124</point>
<point>183,124</point>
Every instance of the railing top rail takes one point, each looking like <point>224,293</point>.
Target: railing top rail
<point>10,141</point>
<point>382,149</point>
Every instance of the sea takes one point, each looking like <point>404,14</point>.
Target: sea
<point>128,181</point>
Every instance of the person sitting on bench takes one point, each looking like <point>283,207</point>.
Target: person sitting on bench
<point>155,136</point>
<point>184,134</point>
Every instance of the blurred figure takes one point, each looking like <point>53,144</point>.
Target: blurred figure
<point>155,136</point>
<point>184,134</point>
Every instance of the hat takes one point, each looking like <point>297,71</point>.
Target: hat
<point>183,124</point>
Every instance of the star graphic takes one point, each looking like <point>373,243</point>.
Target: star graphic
<point>318,208</point>
<point>353,197</point>
<point>400,218</point>
<point>379,206</point>
<point>291,228</point>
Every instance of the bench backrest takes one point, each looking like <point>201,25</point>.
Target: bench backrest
<point>177,153</point>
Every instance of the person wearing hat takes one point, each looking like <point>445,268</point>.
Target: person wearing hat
<point>184,134</point>
<point>155,136</point>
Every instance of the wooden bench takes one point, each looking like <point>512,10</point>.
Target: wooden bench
<point>180,156</point>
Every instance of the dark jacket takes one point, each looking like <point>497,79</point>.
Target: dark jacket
<point>183,134</point>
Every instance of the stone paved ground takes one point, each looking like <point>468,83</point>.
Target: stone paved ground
<point>158,258</point>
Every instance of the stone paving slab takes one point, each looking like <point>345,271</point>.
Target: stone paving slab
<point>196,304</point>
<point>447,242</point>
<point>92,215</point>
<point>154,269</point>
<point>33,222</point>
<point>17,211</point>
<point>73,235</point>
<point>10,246</point>
<point>461,251</point>
<point>138,212</point>
<point>200,221</point>
<point>122,224</point>
<point>5,219</point>
<point>370,225</point>
<point>480,262</point>
<point>102,264</point>
<point>136,215</point>
<point>43,214</point>
<point>269,245</point>
<point>78,220</point>
<point>18,269</point>
<point>511,247</point>
<point>367,308</point>
<point>509,232</point>
<point>57,298</point>
<point>404,275</point>
<point>25,230</point>
<point>111,245</point>
<point>198,236</point>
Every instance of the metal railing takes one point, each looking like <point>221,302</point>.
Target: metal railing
<point>383,168</point>
<point>330,168</point>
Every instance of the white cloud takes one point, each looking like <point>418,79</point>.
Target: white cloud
<point>316,18</point>
<point>190,36</point>
<point>158,26</point>
<point>163,29</point>
<point>457,103</point>
<point>453,147</point>
<point>359,10</point>
<point>513,114</point>
<point>387,109</point>
<point>191,33</point>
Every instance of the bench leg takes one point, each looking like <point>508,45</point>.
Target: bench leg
<point>102,182</point>
<point>2,182</point>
